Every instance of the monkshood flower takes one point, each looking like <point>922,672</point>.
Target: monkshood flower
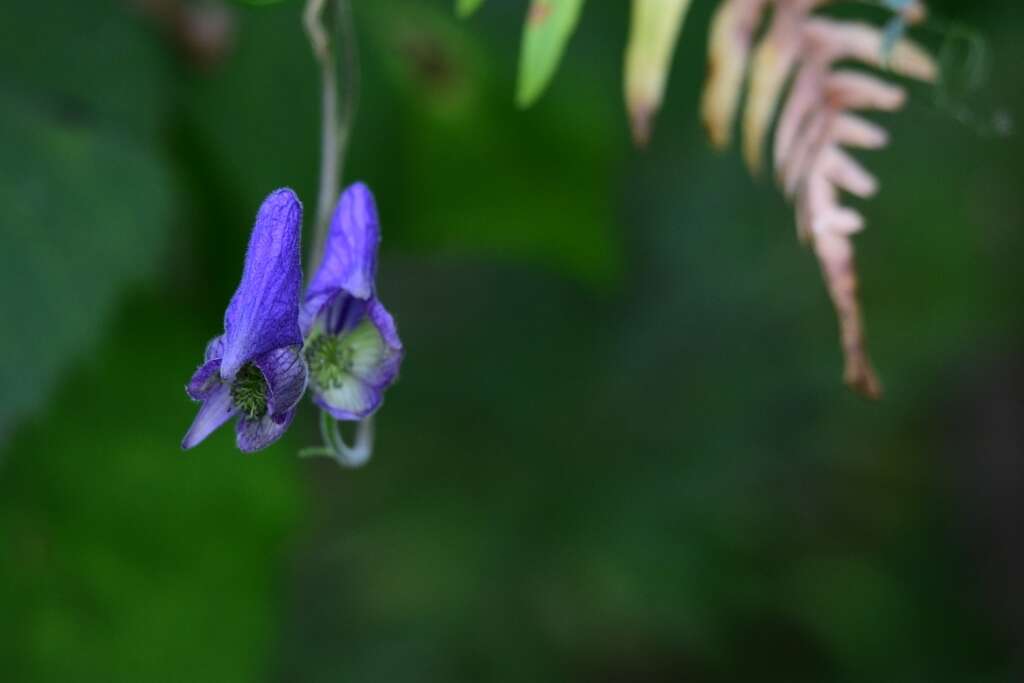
<point>352,345</point>
<point>255,370</point>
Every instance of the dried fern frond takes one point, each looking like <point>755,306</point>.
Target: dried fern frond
<point>729,43</point>
<point>654,29</point>
<point>792,65</point>
<point>814,128</point>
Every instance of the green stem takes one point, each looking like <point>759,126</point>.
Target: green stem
<point>326,20</point>
<point>339,92</point>
<point>347,456</point>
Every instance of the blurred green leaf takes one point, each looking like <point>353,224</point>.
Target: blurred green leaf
<point>464,8</point>
<point>471,181</point>
<point>85,213</point>
<point>126,559</point>
<point>549,25</point>
<point>86,195</point>
<point>96,61</point>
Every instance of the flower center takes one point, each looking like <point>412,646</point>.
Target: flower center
<point>329,359</point>
<point>249,392</point>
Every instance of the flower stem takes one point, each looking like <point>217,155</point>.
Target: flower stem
<point>330,29</point>
<point>353,456</point>
<point>329,26</point>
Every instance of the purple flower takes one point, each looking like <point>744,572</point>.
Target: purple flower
<point>255,370</point>
<point>352,345</point>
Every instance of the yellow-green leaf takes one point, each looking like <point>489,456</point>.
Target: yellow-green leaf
<point>549,25</point>
<point>464,8</point>
<point>654,29</point>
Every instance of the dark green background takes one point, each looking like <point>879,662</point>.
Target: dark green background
<point>619,450</point>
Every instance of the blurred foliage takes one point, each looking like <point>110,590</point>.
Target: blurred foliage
<point>124,559</point>
<point>464,8</point>
<point>549,25</point>
<point>83,179</point>
<point>432,96</point>
<point>619,449</point>
<point>434,93</point>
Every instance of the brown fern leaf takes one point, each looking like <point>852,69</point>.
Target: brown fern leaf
<point>814,127</point>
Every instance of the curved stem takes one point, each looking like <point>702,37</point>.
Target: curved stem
<point>324,21</point>
<point>339,93</point>
<point>352,456</point>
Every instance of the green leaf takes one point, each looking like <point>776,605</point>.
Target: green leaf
<point>74,68</point>
<point>464,8</point>
<point>85,195</point>
<point>126,559</point>
<point>549,25</point>
<point>475,175</point>
<point>85,212</point>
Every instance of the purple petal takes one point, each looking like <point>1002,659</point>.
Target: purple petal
<point>286,375</point>
<point>255,435</point>
<point>344,313</point>
<point>354,399</point>
<point>385,323</point>
<point>204,381</point>
<point>214,349</point>
<point>340,313</point>
<point>263,313</point>
<point>350,253</point>
<point>215,411</point>
<point>374,359</point>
